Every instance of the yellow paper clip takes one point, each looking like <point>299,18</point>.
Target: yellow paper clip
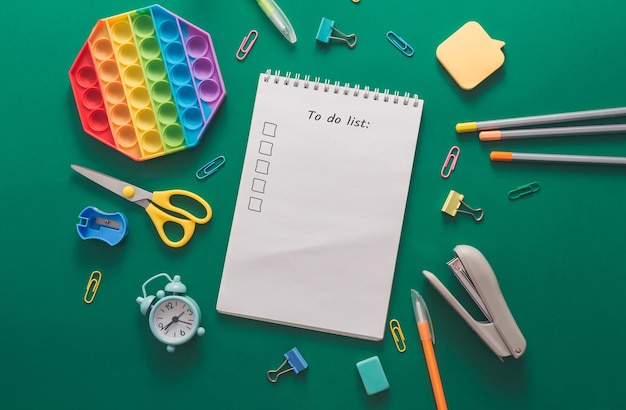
<point>246,44</point>
<point>92,286</point>
<point>448,166</point>
<point>453,204</point>
<point>398,336</point>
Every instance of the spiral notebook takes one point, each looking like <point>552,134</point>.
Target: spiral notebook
<point>320,206</point>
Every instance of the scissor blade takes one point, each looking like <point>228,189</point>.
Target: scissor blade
<point>124,189</point>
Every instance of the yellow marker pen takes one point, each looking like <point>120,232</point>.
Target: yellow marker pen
<point>540,119</point>
<point>278,18</point>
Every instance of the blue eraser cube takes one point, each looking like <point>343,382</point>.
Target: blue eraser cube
<point>372,375</point>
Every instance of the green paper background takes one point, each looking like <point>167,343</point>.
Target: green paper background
<point>555,253</point>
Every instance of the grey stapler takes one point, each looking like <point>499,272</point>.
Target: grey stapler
<point>499,332</point>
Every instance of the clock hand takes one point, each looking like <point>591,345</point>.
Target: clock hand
<point>167,326</point>
<point>174,320</point>
<point>187,323</point>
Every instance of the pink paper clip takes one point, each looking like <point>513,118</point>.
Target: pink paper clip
<point>448,166</point>
<point>246,45</point>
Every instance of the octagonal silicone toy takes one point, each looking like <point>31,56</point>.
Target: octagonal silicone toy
<point>147,83</point>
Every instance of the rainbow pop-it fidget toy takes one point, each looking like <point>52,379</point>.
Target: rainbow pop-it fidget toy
<point>147,83</point>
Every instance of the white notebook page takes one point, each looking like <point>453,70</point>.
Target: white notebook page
<point>320,207</point>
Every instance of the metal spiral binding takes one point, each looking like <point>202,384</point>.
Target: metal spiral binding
<point>394,98</point>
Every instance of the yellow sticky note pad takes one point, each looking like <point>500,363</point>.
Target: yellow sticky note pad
<point>470,55</point>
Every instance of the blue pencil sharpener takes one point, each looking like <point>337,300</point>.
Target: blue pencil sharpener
<point>108,227</point>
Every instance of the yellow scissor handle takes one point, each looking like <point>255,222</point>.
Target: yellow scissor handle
<point>161,200</point>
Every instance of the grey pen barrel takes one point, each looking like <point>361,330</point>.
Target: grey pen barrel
<point>552,132</point>
<point>573,159</point>
<point>550,118</point>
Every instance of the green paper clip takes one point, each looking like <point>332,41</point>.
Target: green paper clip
<point>523,190</point>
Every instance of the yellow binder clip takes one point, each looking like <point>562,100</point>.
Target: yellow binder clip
<point>92,286</point>
<point>398,336</point>
<point>453,204</point>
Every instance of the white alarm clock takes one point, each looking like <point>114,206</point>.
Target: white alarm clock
<point>173,318</point>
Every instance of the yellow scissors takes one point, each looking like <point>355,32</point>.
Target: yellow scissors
<point>156,204</point>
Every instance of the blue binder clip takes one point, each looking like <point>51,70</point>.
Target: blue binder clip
<point>324,33</point>
<point>95,224</point>
<point>295,359</point>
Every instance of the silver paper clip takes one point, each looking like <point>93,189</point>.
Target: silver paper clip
<point>400,44</point>
<point>211,167</point>
<point>246,45</point>
<point>499,332</point>
<point>448,166</point>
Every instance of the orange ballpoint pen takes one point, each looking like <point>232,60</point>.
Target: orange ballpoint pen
<point>424,326</point>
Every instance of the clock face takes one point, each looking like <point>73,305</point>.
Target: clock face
<point>174,319</point>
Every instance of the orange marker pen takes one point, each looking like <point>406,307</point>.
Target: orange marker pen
<point>424,326</point>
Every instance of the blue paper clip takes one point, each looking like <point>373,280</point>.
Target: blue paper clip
<point>107,227</point>
<point>325,31</point>
<point>400,44</point>
<point>211,167</point>
<point>295,359</point>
